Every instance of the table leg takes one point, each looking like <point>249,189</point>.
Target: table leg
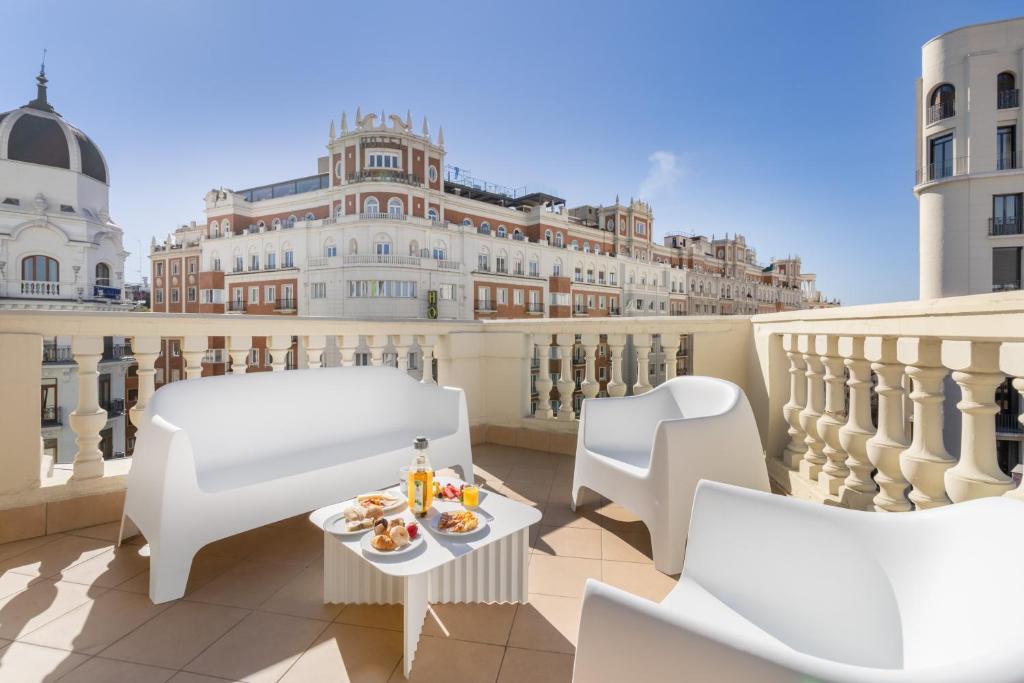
<point>415,608</point>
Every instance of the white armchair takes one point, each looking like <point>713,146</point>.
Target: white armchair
<point>777,589</point>
<point>648,452</point>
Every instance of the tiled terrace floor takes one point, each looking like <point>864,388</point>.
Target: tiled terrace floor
<point>73,608</point>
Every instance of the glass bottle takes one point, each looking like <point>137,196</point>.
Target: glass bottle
<point>421,480</point>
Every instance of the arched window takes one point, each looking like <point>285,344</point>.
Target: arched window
<point>226,226</point>
<point>261,225</point>
<point>40,269</point>
<point>468,223</point>
<point>310,217</point>
<point>485,228</point>
<point>1006,88</point>
<point>382,245</point>
<point>558,239</point>
<point>214,229</point>
<point>547,236</point>
<point>339,210</point>
<point>440,251</point>
<point>102,275</point>
<point>941,104</point>
<point>517,234</point>
<point>501,231</point>
<point>276,224</point>
<point>371,206</point>
<point>575,245</point>
<point>432,213</point>
<point>395,207</point>
<point>291,221</point>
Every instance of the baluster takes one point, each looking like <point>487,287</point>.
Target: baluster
<point>796,448</point>
<point>544,384</point>
<point>926,461</point>
<point>1018,385</point>
<point>146,350</point>
<point>590,386</point>
<point>193,348</point>
<point>671,355</point>
<point>885,447</point>
<point>814,456</point>
<point>88,418</point>
<point>401,343</point>
<point>376,343</point>
<point>616,350</point>
<point>566,382</point>
<point>279,345</point>
<point>642,346</point>
<point>834,472</point>
<point>976,370</point>
<point>427,343</point>
<point>858,491</point>
<point>315,344</point>
<point>238,349</point>
<point>348,344</point>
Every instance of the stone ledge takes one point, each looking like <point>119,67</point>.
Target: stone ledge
<point>60,515</point>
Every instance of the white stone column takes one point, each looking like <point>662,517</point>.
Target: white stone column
<point>976,370</point>
<point>616,349</point>
<point>401,342</point>
<point>889,442</point>
<point>544,384</point>
<point>279,345</point>
<point>1018,384</point>
<point>21,457</point>
<point>428,342</point>
<point>192,349</point>
<point>566,382</point>
<point>146,350</point>
<point>348,345</point>
<point>315,344</point>
<point>814,457</point>
<point>238,349</point>
<point>796,447</point>
<point>671,352</point>
<point>642,346</point>
<point>858,491</point>
<point>590,386</point>
<point>925,463</point>
<point>834,472</point>
<point>88,418</point>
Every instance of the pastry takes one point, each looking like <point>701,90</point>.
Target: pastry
<point>400,535</point>
<point>383,542</point>
<point>353,513</point>
<point>397,521</point>
<point>380,526</point>
<point>357,524</point>
<point>374,511</point>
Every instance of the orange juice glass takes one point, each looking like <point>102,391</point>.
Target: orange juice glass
<point>470,496</point>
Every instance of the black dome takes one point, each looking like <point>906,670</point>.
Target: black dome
<point>38,141</point>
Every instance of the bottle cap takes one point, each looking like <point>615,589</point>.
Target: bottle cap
<point>420,444</point>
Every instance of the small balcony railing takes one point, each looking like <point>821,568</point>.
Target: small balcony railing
<point>284,305</point>
<point>377,216</point>
<point>114,407</point>
<point>534,307</point>
<point>1008,286</point>
<point>1008,99</point>
<point>113,352</point>
<point>50,416</point>
<point>40,288</point>
<point>57,353</point>
<point>1008,423</point>
<point>1008,225</point>
<point>581,310</point>
<point>942,110</point>
<point>486,305</point>
<point>947,168</point>
<point>380,259</point>
<point>385,176</point>
<point>615,310</point>
<point>1008,162</point>
<point>236,307</point>
<point>216,356</point>
<point>105,292</point>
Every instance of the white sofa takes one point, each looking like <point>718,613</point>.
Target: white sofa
<point>781,590</point>
<point>220,455</point>
<point>648,452</point>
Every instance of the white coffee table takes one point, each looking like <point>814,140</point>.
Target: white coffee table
<point>488,566</point>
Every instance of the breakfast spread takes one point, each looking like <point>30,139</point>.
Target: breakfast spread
<point>459,522</point>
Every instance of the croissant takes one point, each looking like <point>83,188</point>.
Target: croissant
<point>383,542</point>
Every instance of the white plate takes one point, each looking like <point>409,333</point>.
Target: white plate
<point>481,523</point>
<point>335,524</point>
<point>364,543</point>
<point>401,503</point>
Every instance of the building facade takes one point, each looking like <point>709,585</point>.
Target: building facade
<point>60,250</point>
<point>970,179</point>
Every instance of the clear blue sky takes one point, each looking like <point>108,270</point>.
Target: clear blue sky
<point>792,123</point>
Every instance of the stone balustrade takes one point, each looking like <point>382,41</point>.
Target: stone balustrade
<point>814,380</point>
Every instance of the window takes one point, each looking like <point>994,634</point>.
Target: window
<point>191,293</point>
<point>175,268</point>
<point>216,264</point>
<point>1006,214</point>
<point>175,295</point>
<point>254,295</point>
<point>640,228</point>
<point>226,225</point>
<point>159,269</point>
<point>288,295</point>
<point>239,264</point>
<point>289,259</point>
<point>556,269</point>
<point>291,221</point>
<point>382,248</point>
<point>159,296</point>
<point>310,217</point>
<point>558,239</point>
<point>271,260</point>
<point>446,292</point>
<point>276,224</point>
<point>318,290</point>
<point>485,228</point>
<point>501,231</point>
<point>602,302</point>
<point>214,229</point>
<point>440,251</point>
<point>395,208</point>
<point>432,174</point>
<point>371,206</point>
<point>503,296</point>
<point>331,250</point>
<point>940,157</point>
<point>404,289</point>
<point>468,223</point>
<point>547,236</point>
<point>941,104</point>
<point>534,268</point>
<point>517,235</point>
<point>575,246</point>
<point>501,264</point>
<point>379,160</point>
<point>44,268</point>
<point>254,261</point>
<point>432,212</point>
<point>191,266</point>
<point>1006,148</point>
<point>270,294</point>
<point>1007,95</point>
<point>483,262</point>
<point>1005,268</point>
<point>102,275</point>
<point>517,297</point>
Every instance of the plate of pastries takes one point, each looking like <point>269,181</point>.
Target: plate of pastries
<point>459,523</point>
<point>386,501</point>
<point>354,519</point>
<point>392,537</point>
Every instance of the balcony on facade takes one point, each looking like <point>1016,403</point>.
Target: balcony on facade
<point>236,307</point>
<point>377,216</point>
<point>1008,161</point>
<point>50,416</point>
<point>1009,225</point>
<point>486,306</point>
<point>948,168</point>
<point>387,176</point>
<point>57,353</point>
<point>534,307</point>
<point>1008,99</point>
<point>285,305</point>
<point>940,111</point>
<point>581,309</point>
<point>1006,286</point>
<point>114,407</point>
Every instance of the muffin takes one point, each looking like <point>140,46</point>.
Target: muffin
<point>399,535</point>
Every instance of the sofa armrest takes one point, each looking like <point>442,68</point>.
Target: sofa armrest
<point>162,468</point>
<point>626,638</point>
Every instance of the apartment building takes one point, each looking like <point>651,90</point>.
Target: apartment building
<point>970,179</point>
<point>61,250</point>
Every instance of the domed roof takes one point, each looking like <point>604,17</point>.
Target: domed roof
<point>37,134</point>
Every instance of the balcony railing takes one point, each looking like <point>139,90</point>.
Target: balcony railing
<point>942,110</point>
<point>1007,286</point>
<point>1009,225</point>
<point>57,353</point>
<point>50,416</point>
<point>285,305</point>
<point>380,259</point>
<point>1008,99</point>
<point>1008,161</point>
<point>581,310</point>
<point>377,216</point>
<point>947,168</point>
<point>114,407</point>
<point>236,307</point>
<point>534,307</point>
<point>114,352</point>
<point>1009,423</point>
<point>486,305</point>
<point>385,176</point>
